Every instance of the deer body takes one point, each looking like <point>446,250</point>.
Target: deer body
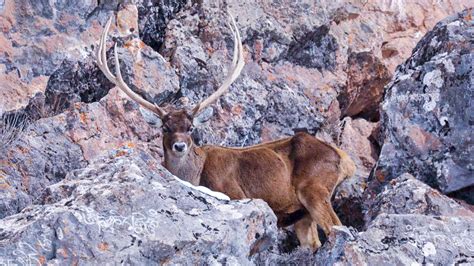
<point>293,175</point>
<point>296,176</point>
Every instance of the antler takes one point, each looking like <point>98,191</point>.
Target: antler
<point>237,66</point>
<point>101,59</point>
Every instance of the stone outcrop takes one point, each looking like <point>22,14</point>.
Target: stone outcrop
<point>408,223</point>
<point>357,138</point>
<point>50,148</point>
<point>125,208</point>
<point>427,110</point>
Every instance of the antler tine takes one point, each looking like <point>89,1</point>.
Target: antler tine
<point>101,56</point>
<point>101,59</point>
<point>237,66</point>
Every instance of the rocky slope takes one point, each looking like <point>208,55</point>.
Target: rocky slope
<point>83,181</point>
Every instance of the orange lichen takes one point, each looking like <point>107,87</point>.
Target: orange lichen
<point>468,16</point>
<point>120,154</point>
<point>103,246</point>
<point>237,109</point>
<point>83,117</point>
<point>63,252</point>
<point>3,183</point>
<point>23,149</point>
<point>380,176</point>
<point>271,77</point>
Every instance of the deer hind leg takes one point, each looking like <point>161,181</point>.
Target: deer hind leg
<point>317,200</point>
<point>307,233</point>
<point>335,218</point>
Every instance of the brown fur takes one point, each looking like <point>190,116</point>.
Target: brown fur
<point>294,175</point>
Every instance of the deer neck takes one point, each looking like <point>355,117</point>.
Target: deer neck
<point>187,167</point>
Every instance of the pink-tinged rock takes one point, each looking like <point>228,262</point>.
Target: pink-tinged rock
<point>356,138</point>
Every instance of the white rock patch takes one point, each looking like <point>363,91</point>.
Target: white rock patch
<point>433,78</point>
<point>205,190</point>
<point>429,249</point>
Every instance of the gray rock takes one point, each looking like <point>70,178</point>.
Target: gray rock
<point>41,156</point>
<point>427,110</point>
<point>128,209</point>
<point>153,19</point>
<point>316,49</point>
<point>408,222</point>
<point>52,147</point>
<point>406,194</point>
<point>402,239</point>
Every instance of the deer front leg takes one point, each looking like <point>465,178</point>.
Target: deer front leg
<point>316,199</point>
<point>307,233</point>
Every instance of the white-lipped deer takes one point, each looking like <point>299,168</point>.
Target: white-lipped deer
<point>296,175</point>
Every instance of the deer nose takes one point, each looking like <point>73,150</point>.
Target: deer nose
<point>179,146</point>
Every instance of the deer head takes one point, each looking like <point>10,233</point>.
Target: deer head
<point>177,124</point>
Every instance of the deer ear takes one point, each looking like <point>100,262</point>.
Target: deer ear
<point>151,118</point>
<point>203,116</point>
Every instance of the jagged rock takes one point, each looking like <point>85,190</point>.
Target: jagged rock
<point>356,138</point>
<point>35,38</point>
<point>153,18</point>
<point>125,208</point>
<point>407,195</point>
<point>40,39</point>
<point>408,222</point>
<point>52,147</point>
<point>41,156</point>
<point>367,77</point>
<point>427,110</point>
<point>402,239</point>
<point>171,49</point>
<point>282,41</point>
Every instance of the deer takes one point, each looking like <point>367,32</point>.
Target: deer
<point>295,175</point>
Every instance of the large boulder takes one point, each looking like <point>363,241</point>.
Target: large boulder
<point>408,223</point>
<point>50,148</point>
<point>124,208</point>
<point>427,112</point>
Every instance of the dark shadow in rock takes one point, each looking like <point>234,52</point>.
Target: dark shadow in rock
<point>72,82</point>
<point>350,212</point>
<point>75,82</point>
<point>153,18</point>
<point>465,194</point>
<point>366,79</point>
<point>316,49</point>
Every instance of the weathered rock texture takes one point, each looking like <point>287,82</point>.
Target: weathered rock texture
<point>127,209</point>
<point>82,183</point>
<point>52,147</point>
<point>408,223</point>
<point>427,112</point>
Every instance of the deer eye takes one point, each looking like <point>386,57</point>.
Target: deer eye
<point>165,129</point>
<point>190,129</point>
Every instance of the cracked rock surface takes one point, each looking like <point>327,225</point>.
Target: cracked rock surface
<point>407,223</point>
<point>125,208</point>
<point>83,182</point>
<point>427,112</point>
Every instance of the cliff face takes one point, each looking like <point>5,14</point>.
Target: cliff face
<point>83,181</point>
